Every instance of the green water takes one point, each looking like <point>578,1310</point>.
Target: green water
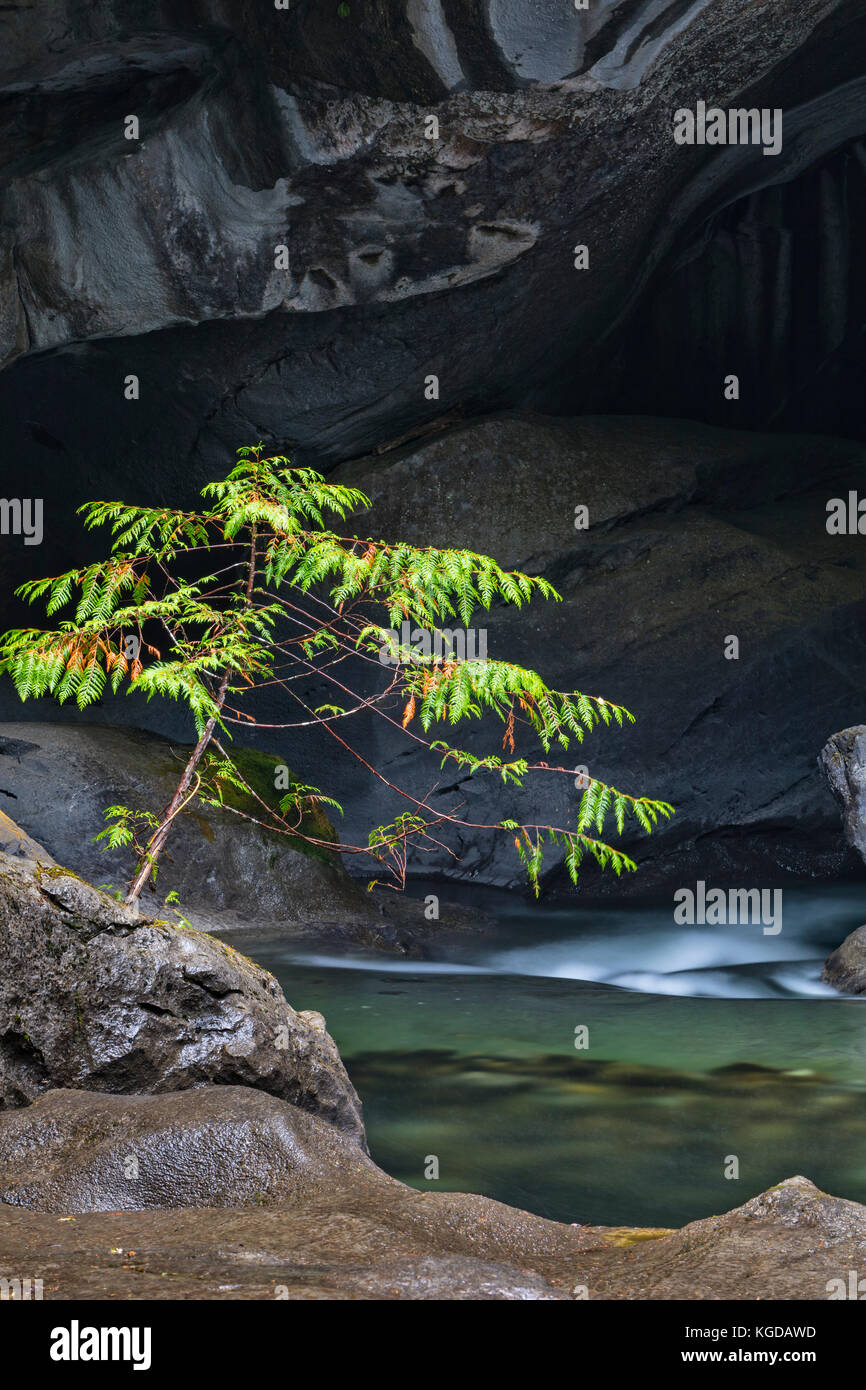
<point>729,1047</point>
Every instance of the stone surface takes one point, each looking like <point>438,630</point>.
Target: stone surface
<point>372,1238</point>
<point>335,116</point>
<point>232,877</point>
<point>216,1146</point>
<point>790,1242</point>
<point>409,256</point>
<point>60,779</point>
<point>454,257</point>
<point>94,997</point>
<point>843,762</point>
<point>845,968</point>
<point>16,842</point>
<point>695,534</point>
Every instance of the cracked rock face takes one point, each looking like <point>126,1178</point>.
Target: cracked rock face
<point>95,998</point>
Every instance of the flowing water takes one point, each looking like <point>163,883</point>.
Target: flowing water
<point>703,1045</point>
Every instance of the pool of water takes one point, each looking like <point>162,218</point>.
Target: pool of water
<point>605,1065</point>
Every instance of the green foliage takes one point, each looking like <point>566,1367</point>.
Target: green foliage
<point>245,785</point>
<point>127,828</point>
<point>279,598</point>
<point>172,902</point>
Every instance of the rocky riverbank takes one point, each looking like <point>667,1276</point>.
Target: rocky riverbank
<point>371,1238</point>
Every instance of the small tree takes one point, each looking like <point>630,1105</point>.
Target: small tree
<point>256,591</point>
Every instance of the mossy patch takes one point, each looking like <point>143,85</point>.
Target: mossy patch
<point>260,771</point>
<point>42,871</point>
<point>624,1236</point>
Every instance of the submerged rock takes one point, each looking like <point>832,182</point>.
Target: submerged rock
<point>96,997</point>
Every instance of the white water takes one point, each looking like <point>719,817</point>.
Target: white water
<point>645,950</point>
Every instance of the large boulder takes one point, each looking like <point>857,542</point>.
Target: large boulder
<point>843,762</point>
<point>95,997</point>
<point>845,968</point>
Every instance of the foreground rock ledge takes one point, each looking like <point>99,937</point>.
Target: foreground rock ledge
<point>299,1211</point>
<point>95,997</point>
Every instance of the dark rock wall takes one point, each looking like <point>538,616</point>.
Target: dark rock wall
<point>406,256</point>
<point>775,286</point>
<point>306,128</point>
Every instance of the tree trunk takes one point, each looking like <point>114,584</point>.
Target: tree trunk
<point>157,840</point>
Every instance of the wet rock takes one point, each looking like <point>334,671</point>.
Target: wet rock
<point>370,1239</point>
<point>216,1146</point>
<point>16,842</point>
<point>95,997</point>
<point>792,1242</point>
<point>364,1234</point>
<point>228,1146</point>
<point>231,876</point>
<point>62,778</point>
<point>444,1277</point>
<point>843,762</point>
<point>846,967</point>
<point>332,119</point>
<point>404,255</point>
